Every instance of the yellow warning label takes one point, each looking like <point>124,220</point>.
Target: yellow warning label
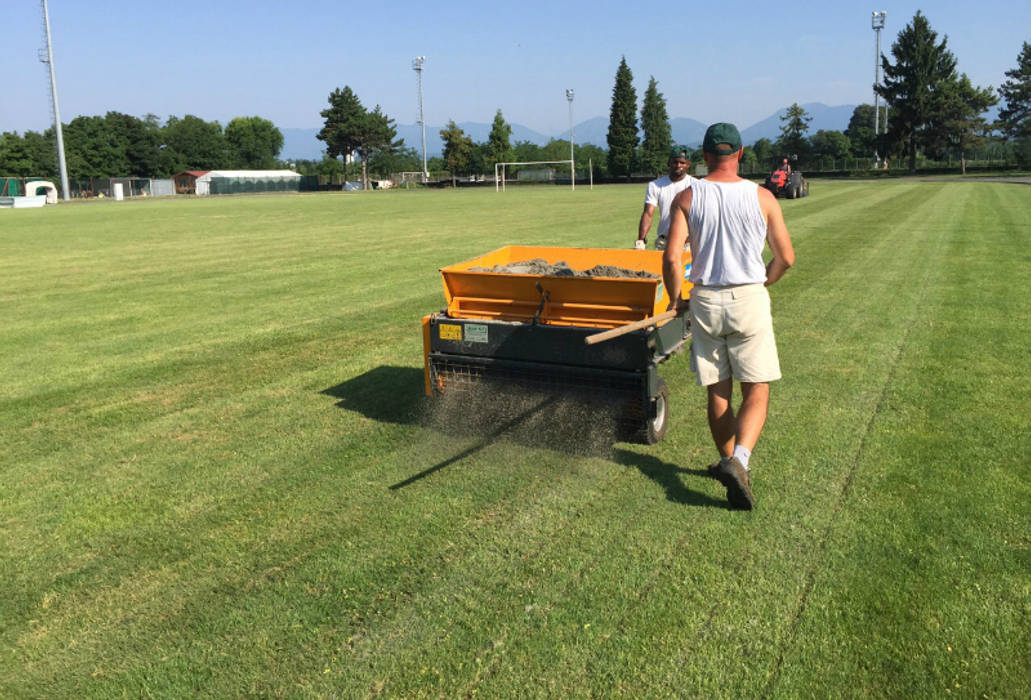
<point>449,331</point>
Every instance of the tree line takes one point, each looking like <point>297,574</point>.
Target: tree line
<point>932,111</point>
<point>121,145</point>
<point>360,141</point>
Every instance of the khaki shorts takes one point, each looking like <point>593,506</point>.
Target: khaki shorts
<point>732,335</point>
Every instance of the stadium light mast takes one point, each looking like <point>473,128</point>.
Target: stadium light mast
<point>46,55</point>
<point>877,22</point>
<point>572,163</point>
<point>417,67</point>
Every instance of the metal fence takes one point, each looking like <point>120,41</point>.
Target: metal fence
<point>131,187</point>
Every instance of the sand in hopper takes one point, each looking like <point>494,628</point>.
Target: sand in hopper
<point>539,266</point>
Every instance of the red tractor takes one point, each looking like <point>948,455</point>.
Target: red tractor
<point>786,182</point>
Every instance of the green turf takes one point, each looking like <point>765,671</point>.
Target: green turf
<point>219,477</point>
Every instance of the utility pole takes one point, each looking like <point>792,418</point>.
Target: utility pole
<point>417,67</point>
<point>572,163</point>
<point>46,55</point>
<point>877,21</point>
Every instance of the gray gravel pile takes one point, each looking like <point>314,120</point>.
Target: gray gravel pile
<point>539,266</point>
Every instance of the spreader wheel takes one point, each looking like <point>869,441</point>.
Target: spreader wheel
<point>649,426</point>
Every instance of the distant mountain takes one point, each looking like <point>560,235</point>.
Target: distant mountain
<point>593,131</point>
<point>824,118</point>
<point>302,143</point>
<point>687,132</point>
<point>478,132</point>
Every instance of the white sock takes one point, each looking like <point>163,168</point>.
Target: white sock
<point>742,454</point>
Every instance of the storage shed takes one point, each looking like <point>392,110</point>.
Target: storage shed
<point>186,181</point>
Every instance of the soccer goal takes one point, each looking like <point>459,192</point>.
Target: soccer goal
<point>408,177</point>
<point>542,171</point>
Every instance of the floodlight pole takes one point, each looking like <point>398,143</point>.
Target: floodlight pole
<point>877,22</point>
<point>572,163</point>
<point>48,58</point>
<point>417,67</point>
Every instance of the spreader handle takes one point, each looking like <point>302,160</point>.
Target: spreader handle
<point>636,325</point>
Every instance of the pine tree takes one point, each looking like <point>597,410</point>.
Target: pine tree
<point>458,150</point>
<point>792,141</point>
<point>958,120</point>
<point>622,137</point>
<point>860,130</point>
<point>658,136</point>
<point>1015,116</point>
<point>499,145</point>
<point>922,67</point>
<point>342,120</point>
<point>350,128</point>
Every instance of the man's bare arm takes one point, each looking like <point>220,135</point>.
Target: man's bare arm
<point>646,222</point>
<point>777,236</point>
<point>672,258</point>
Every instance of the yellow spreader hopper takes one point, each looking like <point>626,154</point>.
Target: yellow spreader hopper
<point>520,314</point>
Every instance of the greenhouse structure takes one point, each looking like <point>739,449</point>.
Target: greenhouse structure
<point>242,181</point>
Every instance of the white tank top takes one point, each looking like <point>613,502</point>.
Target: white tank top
<point>727,233</point>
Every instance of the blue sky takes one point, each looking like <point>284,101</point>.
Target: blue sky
<point>280,60</point>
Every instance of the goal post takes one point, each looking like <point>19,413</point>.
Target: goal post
<point>500,170</point>
<point>408,176</point>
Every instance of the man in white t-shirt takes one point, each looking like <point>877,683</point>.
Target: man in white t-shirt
<point>661,193</point>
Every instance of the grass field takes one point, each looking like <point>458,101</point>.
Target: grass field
<point>206,403</point>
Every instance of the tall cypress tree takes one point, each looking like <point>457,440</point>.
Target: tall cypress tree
<point>658,136</point>
<point>622,137</point>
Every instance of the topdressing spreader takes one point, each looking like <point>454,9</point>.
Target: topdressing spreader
<point>532,317</point>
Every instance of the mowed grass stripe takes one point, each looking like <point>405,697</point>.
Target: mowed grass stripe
<point>909,298</point>
<point>916,548</point>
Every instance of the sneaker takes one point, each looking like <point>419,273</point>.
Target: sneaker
<point>734,477</point>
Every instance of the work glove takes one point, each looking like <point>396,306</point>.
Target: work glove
<point>638,244</point>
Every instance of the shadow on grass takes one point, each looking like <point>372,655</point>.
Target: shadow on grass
<point>669,477</point>
<point>387,394</point>
<point>574,425</point>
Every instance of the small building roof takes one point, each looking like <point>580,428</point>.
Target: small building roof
<point>250,173</point>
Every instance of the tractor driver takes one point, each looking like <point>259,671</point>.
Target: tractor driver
<point>661,193</point>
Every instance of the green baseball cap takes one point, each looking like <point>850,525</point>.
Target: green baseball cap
<point>718,133</point>
<point>680,152</point>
